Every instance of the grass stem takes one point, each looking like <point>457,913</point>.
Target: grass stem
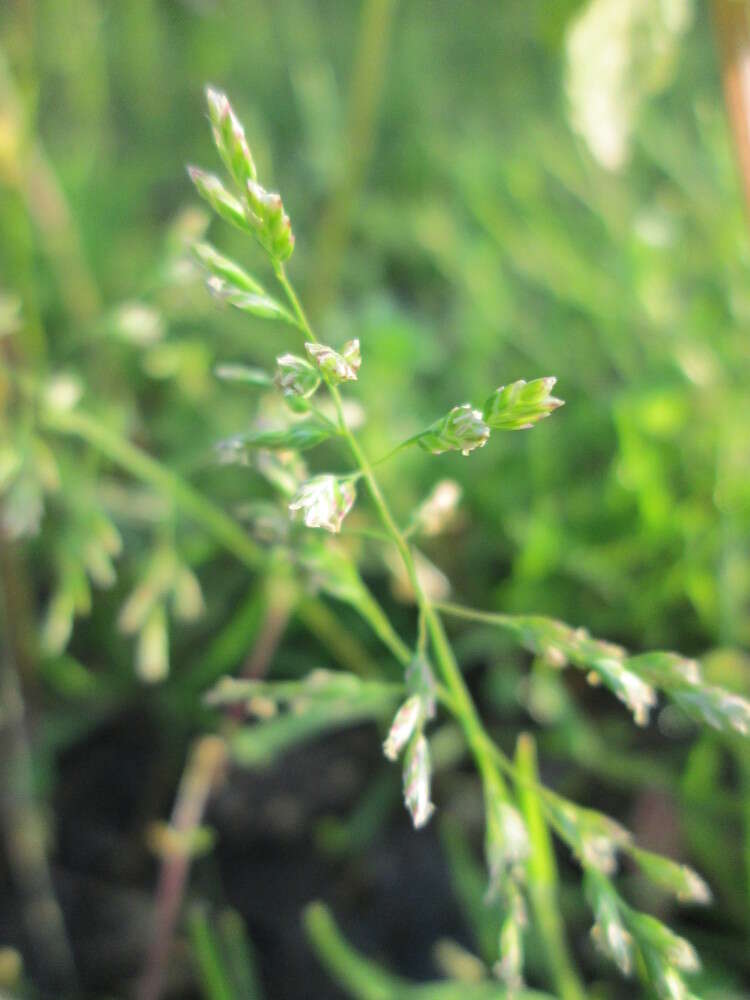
<point>542,876</point>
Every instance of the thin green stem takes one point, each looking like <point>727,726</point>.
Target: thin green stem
<point>543,876</point>
<point>318,618</point>
<point>295,303</point>
<point>361,977</point>
<point>381,625</point>
<point>422,637</point>
<point>470,614</point>
<point>369,533</point>
<point>207,956</point>
<point>394,451</point>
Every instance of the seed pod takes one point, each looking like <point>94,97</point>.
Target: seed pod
<point>417,779</point>
<point>680,880</point>
<point>295,376</point>
<point>152,654</point>
<point>667,982</point>
<point>210,188</point>
<point>403,727</point>
<point>609,932</point>
<point>593,837</point>
<point>187,595</point>
<point>462,429</point>
<point>325,501</point>
<point>506,842</point>
<point>721,709</point>
<point>229,137</point>
<point>333,366</point>
<point>639,696</point>
<point>666,670</point>
<point>518,406</point>
<point>269,221</point>
<point>652,933</point>
<point>351,354</point>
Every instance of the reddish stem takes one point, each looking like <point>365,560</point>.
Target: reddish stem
<point>733,33</point>
<point>202,771</point>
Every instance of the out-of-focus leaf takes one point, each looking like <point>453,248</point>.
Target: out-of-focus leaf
<point>364,979</point>
<point>255,303</point>
<point>323,701</point>
<point>297,437</point>
<point>243,373</point>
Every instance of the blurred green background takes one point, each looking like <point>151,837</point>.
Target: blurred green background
<point>480,192</point>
